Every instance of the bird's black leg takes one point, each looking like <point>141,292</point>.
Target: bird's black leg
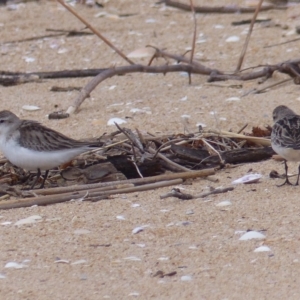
<point>297,182</point>
<point>286,175</point>
<point>45,177</point>
<point>37,178</point>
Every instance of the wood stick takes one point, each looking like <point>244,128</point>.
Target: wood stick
<point>136,181</point>
<point>53,199</point>
<point>241,59</point>
<point>256,140</point>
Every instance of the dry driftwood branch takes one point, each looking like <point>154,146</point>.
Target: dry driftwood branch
<point>102,191</point>
<point>14,78</point>
<point>240,62</point>
<point>230,9</point>
<point>129,69</point>
<point>137,181</point>
<point>67,33</point>
<point>53,199</point>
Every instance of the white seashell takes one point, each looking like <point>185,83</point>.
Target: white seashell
<point>262,249</point>
<point>6,223</point>
<point>112,87</point>
<point>186,278</point>
<point>150,21</point>
<point>141,111</point>
<point>121,218</point>
<point>30,107</point>
<point>134,294</point>
<point>164,258</point>
<point>28,59</point>
<point>170,224</point>
<point>78,262</point>
<point>233,99</point>
<point>62,261</point>
<point>137,230</point>
<point>112,121</point>
<point>142,52</point>
<point>141,245</point>
<point>184,98</point>
<point>219,26</point>
<point>132,258</point>
<point>232,39</point>
<point>250,178</point>
<point>135,205</point>
<point>81,231</point>
<point>116,104</point>
<point>224,203</point>
<point>14,265</point>
<point>193,247</point>
<point>29,220</point>
<point>185,116</point>
<point>201,41</point>
<point>250,235</point>
<point>2,276</point>
<point>62,51</point>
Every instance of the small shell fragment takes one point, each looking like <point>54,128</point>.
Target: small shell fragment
<point>6,223</point>
<point>14,265</point>
<point>262,249</point>
<point>137,230</point>
<point>233,99</point>
<point>132,258</point>
<point>79,262</point>
<point>29,220</point>
<point>232,39</point>
<point>250,178</point>
<point>112,121</point>
<point>142,53</point>
<point>186,278</point>
<point>224,203</point>
<point>30,107</point>
<point>250,235</point>
<point>62,261</point>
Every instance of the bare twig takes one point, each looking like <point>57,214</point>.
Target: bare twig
<point>230,9</point>
<point>240,62</point>
<point>137,181</point>
<point>215,191</point>
<point>177,193</point>
<point>194,37</point>
<point>53,199</point>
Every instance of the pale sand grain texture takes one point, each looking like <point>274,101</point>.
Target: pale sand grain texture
<point>208,248</point>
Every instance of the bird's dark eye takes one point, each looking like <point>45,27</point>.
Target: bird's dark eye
<point>2,121</point>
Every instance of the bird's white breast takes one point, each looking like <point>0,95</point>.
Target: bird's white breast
<point>32,160</point>
<point>289,154</point>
